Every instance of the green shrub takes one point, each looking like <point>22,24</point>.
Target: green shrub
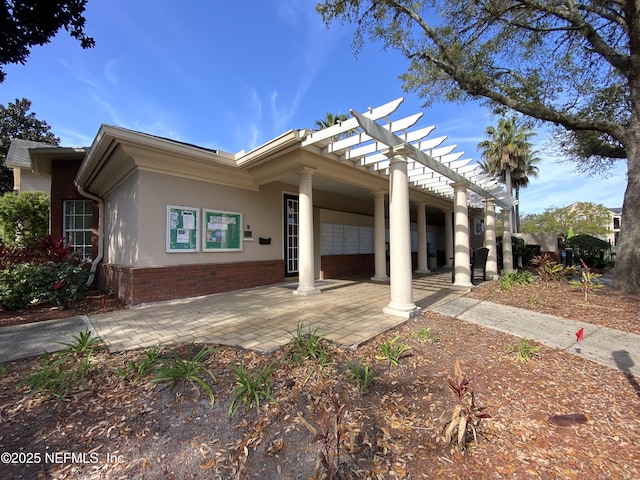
<point>27,283</point>
<point>589,249</point>
<point>514,278</point>
<point>24,218</point>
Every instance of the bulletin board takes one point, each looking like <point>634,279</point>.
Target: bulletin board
<point>222,231</point>
<point>182,229</point>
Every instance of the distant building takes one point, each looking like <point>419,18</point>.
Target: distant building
<point>614,226</point>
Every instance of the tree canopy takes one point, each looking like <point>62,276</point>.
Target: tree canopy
<point>508,155</point>
<point>581,218</point>
<point>17,122</point>
<point>27,23</point>
<point>24,218</point>
<point>573,63</point>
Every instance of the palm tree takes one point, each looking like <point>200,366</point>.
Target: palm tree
<point>330,120</point>
<point>520,179</point>
<point>506,154</point>
<point>333,119</point>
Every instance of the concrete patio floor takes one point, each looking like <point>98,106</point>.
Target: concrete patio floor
<point>347,312</point>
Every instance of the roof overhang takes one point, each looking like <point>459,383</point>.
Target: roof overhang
<point>42,158</point>
<point>116,153</point>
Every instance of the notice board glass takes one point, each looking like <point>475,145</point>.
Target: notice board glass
<point>182,229</point>
<point>222,231</point>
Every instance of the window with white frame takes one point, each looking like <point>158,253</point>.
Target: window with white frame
<point>78,220</point>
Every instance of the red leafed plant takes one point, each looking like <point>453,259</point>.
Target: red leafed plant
<point>330,432</point>
<point>466,415</point>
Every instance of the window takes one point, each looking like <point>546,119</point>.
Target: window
<point>78,220</point>
<point>616,223</point>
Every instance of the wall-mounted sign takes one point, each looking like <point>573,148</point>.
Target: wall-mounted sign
<point>222,231</point>
<point>182,229</point>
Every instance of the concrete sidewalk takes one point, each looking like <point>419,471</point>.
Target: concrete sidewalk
<point>613,348</point>
<point>348,312</point>
<point>31,339</point>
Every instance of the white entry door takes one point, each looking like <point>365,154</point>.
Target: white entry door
<point>291,218</point>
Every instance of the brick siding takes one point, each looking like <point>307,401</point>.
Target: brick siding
<point>136,285</point>
<point>63,174</point>
<point>344,266</point>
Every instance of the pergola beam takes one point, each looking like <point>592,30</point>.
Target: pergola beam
<point>390,140</point>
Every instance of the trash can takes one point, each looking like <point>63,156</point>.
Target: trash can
<point>567,257</point>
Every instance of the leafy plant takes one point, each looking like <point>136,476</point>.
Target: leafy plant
<point>143,368</point>
<point>309,345</point>
<point>84,343</point>
<point>425,335</point>
<point>52,377</point>
<point>547,268</point>
<point>466,415</point>
<point>191,369</point>
<point>589,249</point>
<point>24,283</point>
<point>361,374</point>
<point>330,432</point>
<point>24,217</point>
<point>588,282</point>
<point>59,372</point>
<point>69,281</point>
<point>253,386</point>
<point>535,300</point>
<point>525,349</point>
<point>514,278</point>
<point>392,352</point>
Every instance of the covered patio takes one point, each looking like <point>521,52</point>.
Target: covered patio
<point>348,312</point>
<point>416,172</point>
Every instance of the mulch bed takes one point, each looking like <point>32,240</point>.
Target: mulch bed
<point>128,428</point>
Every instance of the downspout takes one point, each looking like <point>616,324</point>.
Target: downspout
<point>98,259</point>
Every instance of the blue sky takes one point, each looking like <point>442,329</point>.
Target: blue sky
<point>233,75</point>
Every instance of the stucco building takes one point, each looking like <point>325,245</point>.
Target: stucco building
<point>161,219</point>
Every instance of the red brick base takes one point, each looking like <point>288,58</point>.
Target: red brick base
<point>345,266</point>
<point>136,285</point>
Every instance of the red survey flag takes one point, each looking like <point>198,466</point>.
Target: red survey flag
<point>580,334</point>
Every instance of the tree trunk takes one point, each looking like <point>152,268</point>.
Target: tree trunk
<point>627,269</point>
<point>517,207</point>
<point>507,182</point>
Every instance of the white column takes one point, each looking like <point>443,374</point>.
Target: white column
<point>507,249</point>
<point>306,280</point>
<point>448,238</point>
<point>401,286</point>
<point>462,258</point>
<point>423,267</point>
<point>490,238</point>
<point>380,253</point>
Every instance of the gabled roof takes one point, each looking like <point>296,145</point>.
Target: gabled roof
<point>18,154</point>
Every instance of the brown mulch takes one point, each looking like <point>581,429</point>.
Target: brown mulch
<point>114,425</point>
<point>94,302</point>
<point>605,306</point>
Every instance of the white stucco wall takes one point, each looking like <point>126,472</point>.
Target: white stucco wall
<point>548,241</point>
<point>261,210</point>
<point>121,224</point>
<point>26,181</point>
